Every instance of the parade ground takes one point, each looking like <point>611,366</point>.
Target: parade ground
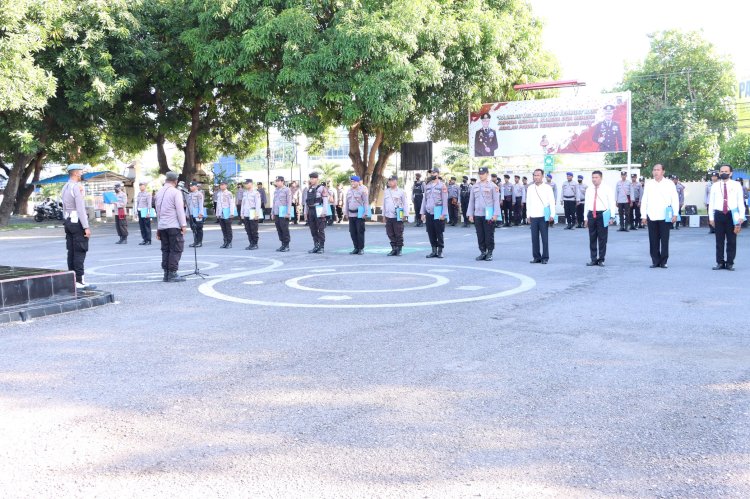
<point>337,375</point>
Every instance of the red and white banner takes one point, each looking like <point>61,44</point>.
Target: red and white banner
<point>575,125</point>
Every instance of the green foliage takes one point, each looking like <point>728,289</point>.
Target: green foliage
<point>736,151</point>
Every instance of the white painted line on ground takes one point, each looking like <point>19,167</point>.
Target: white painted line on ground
<point>335,298</point>
<point>470,288</point>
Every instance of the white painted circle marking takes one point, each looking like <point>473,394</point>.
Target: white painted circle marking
<point>439,281</point>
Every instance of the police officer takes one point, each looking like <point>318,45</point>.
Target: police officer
<point>121,216</point>
<point>282,201</point>
<point>624,198</point>
<point>294,189</point>
<point>709,184</point>
<point>464,194</point>
<point>507,194</point>
<point>453,201</point>
<point>580,201</point>
<point>263,200</point>
<point>569,196</point>
<point>552,186</point>
<point>519,197</point>
<point>143,202</point>
<point>394,212</point>
<point>484,206</point>
<point>435,196</point>
<point>250,213</point>
<point>681,196</point>
<point>340,202</point>
<point>525,182</point>
<point>195,205</point>
<point>170,208</point>
<point>485,139</point>
<point>417,194</point>
<point>76,223</point>
<point>315,198</point>
<point>357,200</point>
<point>224,208</point>
<point>238,201</point>
<point>607,133</point>
<point>635,209</point>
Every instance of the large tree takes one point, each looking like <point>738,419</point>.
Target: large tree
<point>682,103</point>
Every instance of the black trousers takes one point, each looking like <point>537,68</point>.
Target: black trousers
<point>485,233</point>
<point>523,214</point>
<point>507,206</point>
<point>317,226</point>
<point>395,231</point>
<point>453,211</point>
<point>635,214</point>
<point>251,228</point>
<point>579,213</point>
<point>226,228</point>
<point>295,214</point>
<point>340,213</point>
<point>121,224</point>
<point>357,230</point>
<point>197,231</point>
<point>172,244</point>
<point>539,229</point>
<point>435,229</point>
<point>598,234</point>
<point>517,209</point>
<point>658,239</point>
<point>464,209</point>
<point>77,245</point>
<point>145,224</point>
<point>624,211</point>
<point>282,229</point>
<point>724,230</point>
<point>418,205</point>
<point>570,211</point>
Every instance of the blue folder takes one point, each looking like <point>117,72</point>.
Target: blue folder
<point>606,217</point>
<point>197,212</point>
<point>361,212</point>
<point>547,213</point>
<point>437,212</point>
<point>668,214</point>
<point>399,214</point>
<point>489,211</point>
<point>736,216</point>
<point>330,210</point>
<point>147,212</point>
<point>110,198</point>
<point>283,210</point>
<point>225,213</point>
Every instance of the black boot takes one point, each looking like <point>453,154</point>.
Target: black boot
<point>142,243</point>
<point>224,245</point>
<point>393,250</point>
<point>194,245</point>
<point>440,253</point>
<point>229,245</point>
<point>354,251</point>
<point>321,248</point>
<point>433,254</point>
<point>488,258</point>
<point>398,250</point>
<point>315,249</point>
<point>482,256</point>
<point>166,276</point>
<point>173,277</point>
<point>254,246</point>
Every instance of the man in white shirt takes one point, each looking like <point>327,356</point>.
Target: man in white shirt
<point>598,200</point>
<point>659,207</point>
<point>540,204</point>
<point>726,212</point>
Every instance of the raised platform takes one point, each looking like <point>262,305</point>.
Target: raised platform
<point>28,293</point>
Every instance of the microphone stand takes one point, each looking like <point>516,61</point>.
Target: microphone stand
<point>196,270</point>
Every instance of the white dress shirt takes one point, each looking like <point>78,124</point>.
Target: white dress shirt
<point>539,197</point>
<point>657,196</point>
<point>605,199</point>
<point>735,198</point>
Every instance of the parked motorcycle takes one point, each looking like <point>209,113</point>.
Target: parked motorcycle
<point>48,211</point>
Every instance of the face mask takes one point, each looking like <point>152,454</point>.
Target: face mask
<point>724,176</point>
<point>434,177</point>
<point>580,181</point>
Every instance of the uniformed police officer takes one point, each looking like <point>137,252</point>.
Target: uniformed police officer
<point>282,200</point>
<point>484,207</point>
<point>121,216</point>
<point>76,223</point>
<point>569,196</point>
<point>485,139</point>
<point>143,202</point>
<point>331,203</point>
<point>250,213</point>
<point>417,194</point>
<point>195,207</point>
<point>506,191</point>
<point>607,133</point>
<point>170,208</point>
<point>452,201</point>
<point>624,198</point>
<point>580,202</point>
<point>315,198</point>
<point>394,212</point>
<point>464,194</point>
<point>552,186</point>
<point>635,208</point>
<point>435,195</point>
<point>709,184</point>
<point>681,196</point>
<point>224,208</point>
<point>357,200</point>
<point>519,197</point>
<point>238,202</point>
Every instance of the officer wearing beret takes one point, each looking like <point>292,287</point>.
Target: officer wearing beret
<point>315,197</point>
<point>195,206</point>
<point>170,208</point>
<point>485,139</point>
<point>250,211</point>
<point>464,194</point>
<point>282,202</point>
<point>224,208</point>
<point>76,223</point>
<point>484,207</point>
<point>435,196</point>
<point>607,133</point>
<point>394,212</point>
<point>121,216</point>
<point>143,201</point>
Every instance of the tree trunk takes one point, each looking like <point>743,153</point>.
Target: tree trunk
<point>366,166</point>
<point>25,190</point>
<point>161,155</point>
<point>191,144</point>
<point>20,161</point>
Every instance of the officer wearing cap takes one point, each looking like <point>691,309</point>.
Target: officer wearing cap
<point>552,186</point>
<point>76,223</point>
<point>453,201</point>
<point>315,197</point>
<point>281,212</point>
<point>464,195</point>
<point>394,212</point>
<point>417,195</point>
<point>195,201</point>
<point>143,202</point>
<point>569,196</point>
<point>635,208</point>
<point>121,216</point>
<point>607,133</point>
<point>485,139</point>
<point>506,190</point>
<point>435,196</point>
<point>357,201</point>
<point>624,197</point>
<point>170,208</point>
<point>714,178</point>
<point>224,209</point>
<point>250,210</point>
<point>519,198</point>
<point>580,201</point>
<point>238,201</point>
<point>484,207</point>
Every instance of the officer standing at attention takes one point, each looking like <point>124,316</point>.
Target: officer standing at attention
<point>250,213</point>
<point>331,202</point>
<point>263,200</point>
<point>282,201</point>
<point>224,207</point>
<point>726,213</point>
<point>452,201</point>
<point>681,196</point>
<point>540,199</point>
<point>624,197</point>
<point>170,208</point>
<point>484,201</point>
<point>76,223</point>
<point>659,206</point>
<point>143,201</point>
<point>340,202</point>
<point>417,195</point>
<point>394,212</point>
<point>357,200</point>
<point>569,196</point>
<point>552,186</point>
<point>525,182</point>
<point>465,194</point>
<point>580,201</point>
<point>238,201</point>
<point>598,200</point>
<point>316,210</point>
<point>506,189</point>
<point>519,198</point>
<point>635,208</point>
<point>121,217</point>
<point>435,195</point>
<point>294,188</point>
<point>195,205</point>
<point>709,184</point>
